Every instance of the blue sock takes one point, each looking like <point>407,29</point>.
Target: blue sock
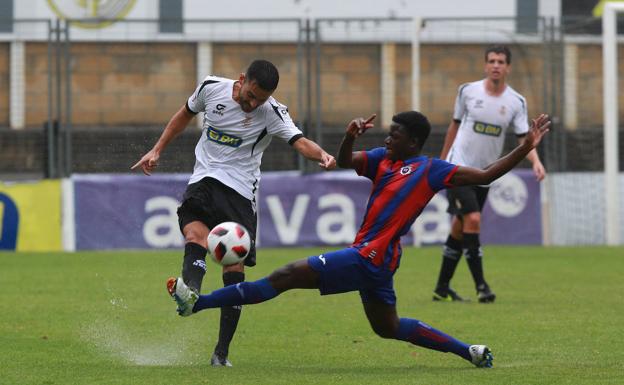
<point>421,334</point>
<point>240,294</point>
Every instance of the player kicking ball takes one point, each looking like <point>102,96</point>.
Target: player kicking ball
<point>403,183</point>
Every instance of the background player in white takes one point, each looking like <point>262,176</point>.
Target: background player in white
<point>484,109</point>
<point>240,119</point>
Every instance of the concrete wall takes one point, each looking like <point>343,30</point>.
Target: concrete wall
<point>589,91</point>
<point>145,83</point>
<point>116,84</point>
<point>36,92</point>
<point>4,83</point>
<point>229,60</point>
<point>350,81</point>
<point>446,66</point>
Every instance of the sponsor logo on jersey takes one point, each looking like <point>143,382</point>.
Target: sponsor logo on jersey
<point>478,103</point>
<point>219,137</point>
<point>487,129</point>
<point>219,109</point>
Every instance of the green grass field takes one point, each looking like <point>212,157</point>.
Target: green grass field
<point>105,318</point>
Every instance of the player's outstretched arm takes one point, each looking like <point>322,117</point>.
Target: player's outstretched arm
<point>311,150</point>
<point>355,128</point>
<point>472,176</point>
<point>176,125</point>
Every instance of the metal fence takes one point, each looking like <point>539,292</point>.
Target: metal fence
<point>109,92</point>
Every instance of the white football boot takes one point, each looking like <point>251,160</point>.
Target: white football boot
<point>184,296</point>
<point>481,356</point>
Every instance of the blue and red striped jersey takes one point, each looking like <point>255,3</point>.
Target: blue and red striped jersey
<point>401,190</point>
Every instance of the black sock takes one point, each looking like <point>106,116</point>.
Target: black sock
<point>472,249</point>
<point>451,254</point>
<point>194,265</point>
<point>229,315</point>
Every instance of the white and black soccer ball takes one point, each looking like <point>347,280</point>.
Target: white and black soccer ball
<point>229,243</point>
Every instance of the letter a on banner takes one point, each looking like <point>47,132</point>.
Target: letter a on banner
<point>9,223</point>
<point>288,230</point>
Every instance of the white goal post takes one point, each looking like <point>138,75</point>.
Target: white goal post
<point>610,111</point>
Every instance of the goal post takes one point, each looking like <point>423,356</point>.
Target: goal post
<point>610,113</point>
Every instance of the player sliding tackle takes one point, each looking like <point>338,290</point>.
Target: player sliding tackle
<point>403,183</point>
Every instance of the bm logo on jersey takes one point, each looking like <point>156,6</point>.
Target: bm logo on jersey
<point>487,129</point>
<point>219,137</point>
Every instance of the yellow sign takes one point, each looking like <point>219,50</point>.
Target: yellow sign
<point>30,216</point>
<point>107,10</point>
<point>597,11</point>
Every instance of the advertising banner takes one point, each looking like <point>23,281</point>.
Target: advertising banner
<point>513,213</point>
<point>128,211</point>
<point>327,209</point>
<point>30,216</point>
<point>137,212</point>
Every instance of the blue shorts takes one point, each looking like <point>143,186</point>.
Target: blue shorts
<point>345,270</point>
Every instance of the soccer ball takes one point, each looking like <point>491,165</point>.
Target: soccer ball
<point>229,243</point>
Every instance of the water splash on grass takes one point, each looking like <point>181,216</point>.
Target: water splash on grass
<point>112,338</point>
<point>114,332</point>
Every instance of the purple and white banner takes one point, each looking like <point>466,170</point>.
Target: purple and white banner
<point>128,211</point>
<point>139,212</point>
<point>327,209</point>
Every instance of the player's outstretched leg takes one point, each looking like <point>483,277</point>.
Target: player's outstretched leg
<point>386,323</point>
<point>243,293</point>
<point>228,322</point>
<point>421,334</point>
<point>474,258</point>
<point>295,275</point>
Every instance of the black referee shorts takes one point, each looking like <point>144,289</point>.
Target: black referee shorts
<point>466,199</point>
<point>211,202</point>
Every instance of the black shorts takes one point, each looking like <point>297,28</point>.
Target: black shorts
<point>466,199</point>
<point>211,202</point>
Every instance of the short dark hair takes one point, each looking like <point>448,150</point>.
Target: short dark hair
<point>264,73</point>
<point>499,49</point>
<point>415,123</point>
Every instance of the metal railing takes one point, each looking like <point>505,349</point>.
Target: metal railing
<point>321,79</point>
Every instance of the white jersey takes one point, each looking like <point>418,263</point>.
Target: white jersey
<point>484,122</point>
<point>232,142</point>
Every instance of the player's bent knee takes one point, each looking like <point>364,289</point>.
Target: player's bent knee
<point>283,278</point>
<point>471,220</point>
<point>385,328</point>
<point>295,275</point>
<point>196,233</point>
<point>384,331</point>
<point>194,238</point>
